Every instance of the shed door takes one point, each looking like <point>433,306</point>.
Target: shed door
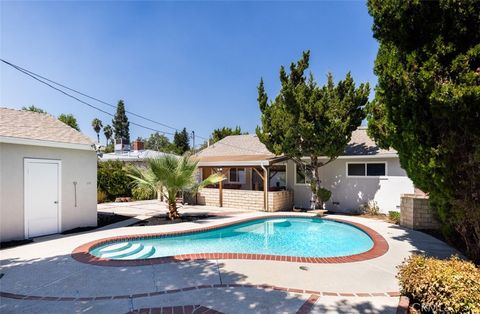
<point>41,197</point>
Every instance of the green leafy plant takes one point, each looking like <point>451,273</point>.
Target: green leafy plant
<point>113,179</point>
<point>169,176</point>
<point>142,193</point>
<point>370,208</point>
<point>394,217</point>
<point>443,286</point>
<point>101,197</point>
<point>306,119</point>
<point>427,104</point>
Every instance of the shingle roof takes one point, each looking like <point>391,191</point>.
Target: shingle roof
<point>38,126</point>
<point>234,145</point>
<point>249,145</point>
<point>362,145</point>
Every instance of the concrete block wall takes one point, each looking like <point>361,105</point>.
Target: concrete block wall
<point>280,200</point>
<point>415,212</point>
<point>246,199</point>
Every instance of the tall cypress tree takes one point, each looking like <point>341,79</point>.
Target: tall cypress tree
<point>181,141</point>
<point>121,126</point>
<point>427,104</point>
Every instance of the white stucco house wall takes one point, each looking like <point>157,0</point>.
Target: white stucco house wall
<point>48,176</point>
<point>364,173</point>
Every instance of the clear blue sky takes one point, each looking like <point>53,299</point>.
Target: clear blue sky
<point>186,64</point>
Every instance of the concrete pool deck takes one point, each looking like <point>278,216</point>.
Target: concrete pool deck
<point>43,278</point>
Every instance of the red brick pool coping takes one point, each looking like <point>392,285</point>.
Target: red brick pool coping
<point>18,296</point>
<point>82,253</point>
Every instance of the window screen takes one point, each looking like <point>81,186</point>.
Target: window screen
<point>377,169</point>
<point>356,169</point>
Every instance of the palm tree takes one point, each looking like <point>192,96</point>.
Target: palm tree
<point>168,176</point>
<point>108,132</point>
<point>97,126</point>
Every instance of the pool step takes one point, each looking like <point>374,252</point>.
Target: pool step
<point>132,249</point>
<point>115,247</point>
<point>146,252</point>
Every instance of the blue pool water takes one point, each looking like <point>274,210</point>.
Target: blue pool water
<point>305,237</point>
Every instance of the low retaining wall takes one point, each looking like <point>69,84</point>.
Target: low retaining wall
<point>415,212</point>
<point>246,199</point>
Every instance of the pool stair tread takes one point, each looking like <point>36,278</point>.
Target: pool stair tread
<point>145,252</point>
<point>134,248</point>
<point>115,247</point>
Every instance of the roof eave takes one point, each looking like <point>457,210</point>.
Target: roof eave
<point>45,143</point>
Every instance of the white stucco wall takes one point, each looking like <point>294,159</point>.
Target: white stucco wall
<point>77,165</point>
<point>351,192</point>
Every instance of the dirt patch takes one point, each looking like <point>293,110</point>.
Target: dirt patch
<point>103,219</point>
<point>163,220</point>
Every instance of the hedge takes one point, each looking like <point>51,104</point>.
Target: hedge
<point>441,286</point>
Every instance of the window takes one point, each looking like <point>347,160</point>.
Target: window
<point>300,175</point>
<point>370,169</point>
<point>236,175</point>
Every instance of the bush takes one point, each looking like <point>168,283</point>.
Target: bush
<point>394,217</point>
<point>113,180</point>
<point>139,193</point>
<point>442,286</point>
<point>324,194</point>
<point>370,208</point>
<point>101,197</point>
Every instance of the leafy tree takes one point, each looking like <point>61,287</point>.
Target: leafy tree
<point>34,109</point>
<point>427,103</point>
<point>306,120</point>
<point>158,142</point>
<point>181,142</point>
<point>70,120</point>
<point>121,126</point>
<point>169,176</point>
<point>108,132</point>
<point>218,134</point>
<point>97,127</point>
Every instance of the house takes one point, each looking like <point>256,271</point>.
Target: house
<point>259,180</point>
<point>136,155</point>
<point>48,181</point>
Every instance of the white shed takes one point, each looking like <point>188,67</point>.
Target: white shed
<point>48,176</point>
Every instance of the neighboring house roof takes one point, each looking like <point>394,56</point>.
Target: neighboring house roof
<point>139,155</point>
<point>248,150</point>
<point>41,129</point>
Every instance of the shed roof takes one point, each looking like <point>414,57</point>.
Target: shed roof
<point>28,125</point>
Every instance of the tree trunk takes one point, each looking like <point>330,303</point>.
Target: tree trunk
<point>172,210</point>
<point>314,182</point>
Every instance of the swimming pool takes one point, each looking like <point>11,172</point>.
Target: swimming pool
<point>287,236</point>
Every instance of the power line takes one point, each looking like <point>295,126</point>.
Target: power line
<point>26,71</point>
<point>80,100</point>
<point>45,81</point>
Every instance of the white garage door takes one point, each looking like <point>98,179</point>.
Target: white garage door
<point>42,206</point>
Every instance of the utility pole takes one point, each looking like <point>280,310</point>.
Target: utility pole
<point>193,141</point>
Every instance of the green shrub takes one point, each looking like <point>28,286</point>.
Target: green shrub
<point>394,217</point>
<point>113,180</point>
<point>139,193</point>
<point>101,197</point>
<point>370,208</point>
<point>443,286</point>
<point>324,194</point>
